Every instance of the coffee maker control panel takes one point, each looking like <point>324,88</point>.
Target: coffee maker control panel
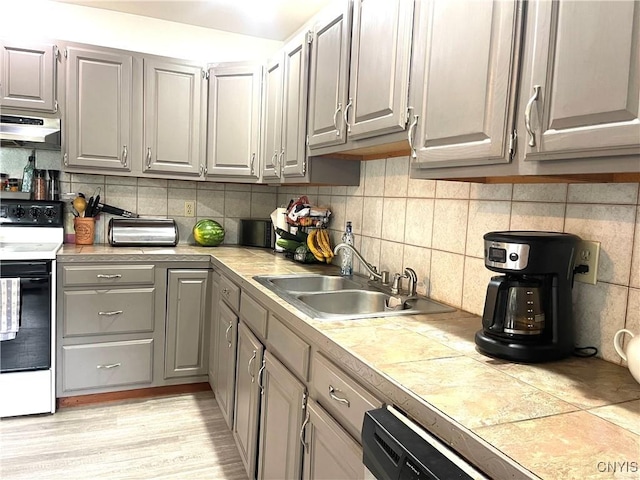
<point>508,256</point>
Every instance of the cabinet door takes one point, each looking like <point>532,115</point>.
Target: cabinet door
<point>27,76</point>
<point>272,122</point>
<point>173,120</point>
<point>585,57</point>
<point>185,352</point>
<point>283,397</point>
<point>226,326</point>
<point>247,407</point>
<point>330,453</point>
<point>234,121</point>
<point>468,61</point>
<point>99,109</point>
<point>294,106</point>
<point>328,80</point>
<point>380,63</point>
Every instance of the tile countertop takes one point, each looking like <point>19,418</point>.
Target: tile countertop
<point>572,419</point>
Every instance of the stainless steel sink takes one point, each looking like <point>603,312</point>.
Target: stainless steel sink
<point>312,283</point>
<point>330,297</point>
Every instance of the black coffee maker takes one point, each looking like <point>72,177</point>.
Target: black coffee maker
<point>528,313</point>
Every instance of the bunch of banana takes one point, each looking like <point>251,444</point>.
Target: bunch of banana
<point>320,245</point>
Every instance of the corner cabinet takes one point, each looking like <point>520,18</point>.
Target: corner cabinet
<point>187,325</point>
<point>569,111</point>
<point>174,117</point>
<point>466,115</point>
<point>285,112</point>
<point>100,109</point>
<point>28,76</point>
<point>359,81</point>
<point>234,122</point>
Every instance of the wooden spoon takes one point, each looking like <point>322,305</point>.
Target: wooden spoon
<point>80,204</point>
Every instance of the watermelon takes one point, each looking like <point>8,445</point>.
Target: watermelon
<point>208,233</point>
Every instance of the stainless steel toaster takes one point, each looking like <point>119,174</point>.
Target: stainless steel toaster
<point>136,232</point>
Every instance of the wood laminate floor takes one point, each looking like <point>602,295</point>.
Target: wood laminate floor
<point>182,436</point>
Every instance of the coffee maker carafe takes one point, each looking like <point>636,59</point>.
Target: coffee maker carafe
<point>528,310</point>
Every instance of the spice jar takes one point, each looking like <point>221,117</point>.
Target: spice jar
<point>39,185</point>
<point>13,184</point>
<point>4,181</point>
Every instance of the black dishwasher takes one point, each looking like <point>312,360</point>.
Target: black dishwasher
<point>395,448</point>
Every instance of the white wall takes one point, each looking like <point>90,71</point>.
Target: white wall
<point>34,19</point>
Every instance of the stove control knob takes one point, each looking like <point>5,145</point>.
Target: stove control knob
<point>49,213</point>
<point>19,212</point>
<point>34,212</point>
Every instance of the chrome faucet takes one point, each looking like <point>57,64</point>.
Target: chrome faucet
<point>383,276</point>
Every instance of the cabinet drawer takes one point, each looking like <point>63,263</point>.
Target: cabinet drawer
<point>254,315</point>
<point>76,275</point>
<point>96,312</point>
<point>100,365</point>
<point>230,292</point>
<point>291,349</point>
<point>343,397</point>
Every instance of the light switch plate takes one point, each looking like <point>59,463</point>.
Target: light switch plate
<point>588,253</point>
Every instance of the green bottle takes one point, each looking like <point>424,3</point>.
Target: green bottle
<point>27,175</point>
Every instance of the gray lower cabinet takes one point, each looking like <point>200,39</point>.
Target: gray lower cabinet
<point>282,413</point>
<point>247,398</point>
<point>28,75</point>
<point>109,327</point>
<point>187,323</point>
<point>225,324</point>
<point>329,452</point>
<point>99,115</point>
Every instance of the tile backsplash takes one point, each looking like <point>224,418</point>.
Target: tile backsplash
<point>435,227</point>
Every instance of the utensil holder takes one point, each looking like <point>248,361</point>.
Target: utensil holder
<point>85,228</point>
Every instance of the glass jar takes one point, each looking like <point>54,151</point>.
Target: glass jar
<point>13,184</point>
<point>4,181</point>
<point>39,185</point>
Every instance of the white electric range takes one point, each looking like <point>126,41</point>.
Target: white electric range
<point>31,233</point>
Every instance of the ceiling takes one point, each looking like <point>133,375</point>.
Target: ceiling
<point>272,19</point>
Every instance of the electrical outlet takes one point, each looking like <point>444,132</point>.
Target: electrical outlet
<point>189,209</point>
<point>588,254</point>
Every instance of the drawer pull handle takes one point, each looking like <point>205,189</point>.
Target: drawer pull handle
<point>108,314</point>
<point>332,394</point>
<point>110,277</point>
<point>305,445</point>
<point>253,378</point>
<point>111,365</point>
<point>527,115</point>
<point>226,334</point>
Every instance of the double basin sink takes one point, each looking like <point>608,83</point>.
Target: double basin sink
<point>331,297</point>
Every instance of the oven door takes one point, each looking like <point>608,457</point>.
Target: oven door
<point>31,348</point>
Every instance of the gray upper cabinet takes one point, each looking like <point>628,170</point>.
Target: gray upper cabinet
<point>234,121</point>
<point>283,397</point>
<point>99,109</point>
<point>285,110</point>
<point>465,63</point>
<point>272,120</point>
<point>187,323</point>
<point>27,76</point>
<point>328,81</point>
<point>380,65</point>
<point>583,59</point>
<point>174,119</point>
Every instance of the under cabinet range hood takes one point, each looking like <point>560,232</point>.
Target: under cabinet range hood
<point>30,132</point>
